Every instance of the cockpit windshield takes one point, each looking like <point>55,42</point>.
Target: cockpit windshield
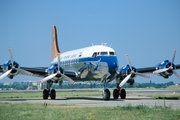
<point>103,53</point>
<point>95,54</point>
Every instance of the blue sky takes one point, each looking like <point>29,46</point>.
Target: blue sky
<point>148,31</point>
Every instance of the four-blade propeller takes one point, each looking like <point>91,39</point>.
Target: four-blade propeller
<point>58,73</point>
<point>169,68</point>
<point>21,71</point>
<point>131,72</point>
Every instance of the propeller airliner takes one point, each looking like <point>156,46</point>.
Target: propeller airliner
<point>96,62</point>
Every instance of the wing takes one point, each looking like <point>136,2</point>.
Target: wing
<point>42,72</point>
<point>152,69</point>
<point>71,73</point>
<point>1,68</point>
<point>37,71</point>
<point>178,66</point>
<point>146,70</point>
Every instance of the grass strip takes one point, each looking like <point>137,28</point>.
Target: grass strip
<point>166,96</point>
<point>56,112</point>
<point>39,94</point>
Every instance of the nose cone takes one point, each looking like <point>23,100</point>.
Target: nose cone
<point>112,64</point>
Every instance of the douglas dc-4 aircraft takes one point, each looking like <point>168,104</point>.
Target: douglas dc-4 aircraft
<point>97,63</point>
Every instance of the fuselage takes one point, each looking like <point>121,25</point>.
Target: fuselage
<point>92,62</point>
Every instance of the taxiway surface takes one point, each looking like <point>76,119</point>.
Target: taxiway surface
<point>139,98</point>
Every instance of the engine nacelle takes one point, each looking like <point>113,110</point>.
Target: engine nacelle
<point>124,72</point>
<point>54,69</point>
<point>165,64</point>
<point>8,65</point>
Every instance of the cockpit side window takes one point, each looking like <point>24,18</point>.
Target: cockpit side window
<point>94,54</point>
<point>111,53</point>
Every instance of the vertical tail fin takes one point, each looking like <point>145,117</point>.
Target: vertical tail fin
<point>55,49</point>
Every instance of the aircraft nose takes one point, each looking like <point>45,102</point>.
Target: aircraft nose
<point>113,64</point>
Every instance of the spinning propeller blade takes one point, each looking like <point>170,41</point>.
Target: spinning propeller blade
<point>5,74</point>
<point>125,80</point>
<point>131,72</point>
<point>48,77</point>
<point>176,74</point>
<point>160,71</point>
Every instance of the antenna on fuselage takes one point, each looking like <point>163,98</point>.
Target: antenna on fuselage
<point>104,44</point>
<point>110,45</point>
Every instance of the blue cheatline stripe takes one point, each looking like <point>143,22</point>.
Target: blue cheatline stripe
<point>110,60</point>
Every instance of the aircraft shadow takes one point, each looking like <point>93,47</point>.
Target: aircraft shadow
<point>19,99</point>
<point>73,98</point>
<point>88,98</point>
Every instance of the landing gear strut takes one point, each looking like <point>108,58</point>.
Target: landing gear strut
<point>47,92</point>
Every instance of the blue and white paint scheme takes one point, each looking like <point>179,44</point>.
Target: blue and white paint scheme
<point>96,62</point>
<point>90,63</point>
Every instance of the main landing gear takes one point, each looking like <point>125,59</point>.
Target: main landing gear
<point>119,92</point>
<point>116,93</point>
<point>47,92</point>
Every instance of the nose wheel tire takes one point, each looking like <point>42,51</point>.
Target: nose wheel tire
<point>45,94</point>
<point>106,95</point>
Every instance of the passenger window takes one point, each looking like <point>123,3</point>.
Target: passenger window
<point>104,53</point>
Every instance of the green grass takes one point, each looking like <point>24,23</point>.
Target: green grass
<point>166,96</point>
<point>62,112</point>
<point>39,94</point>
<point>19,95</point>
